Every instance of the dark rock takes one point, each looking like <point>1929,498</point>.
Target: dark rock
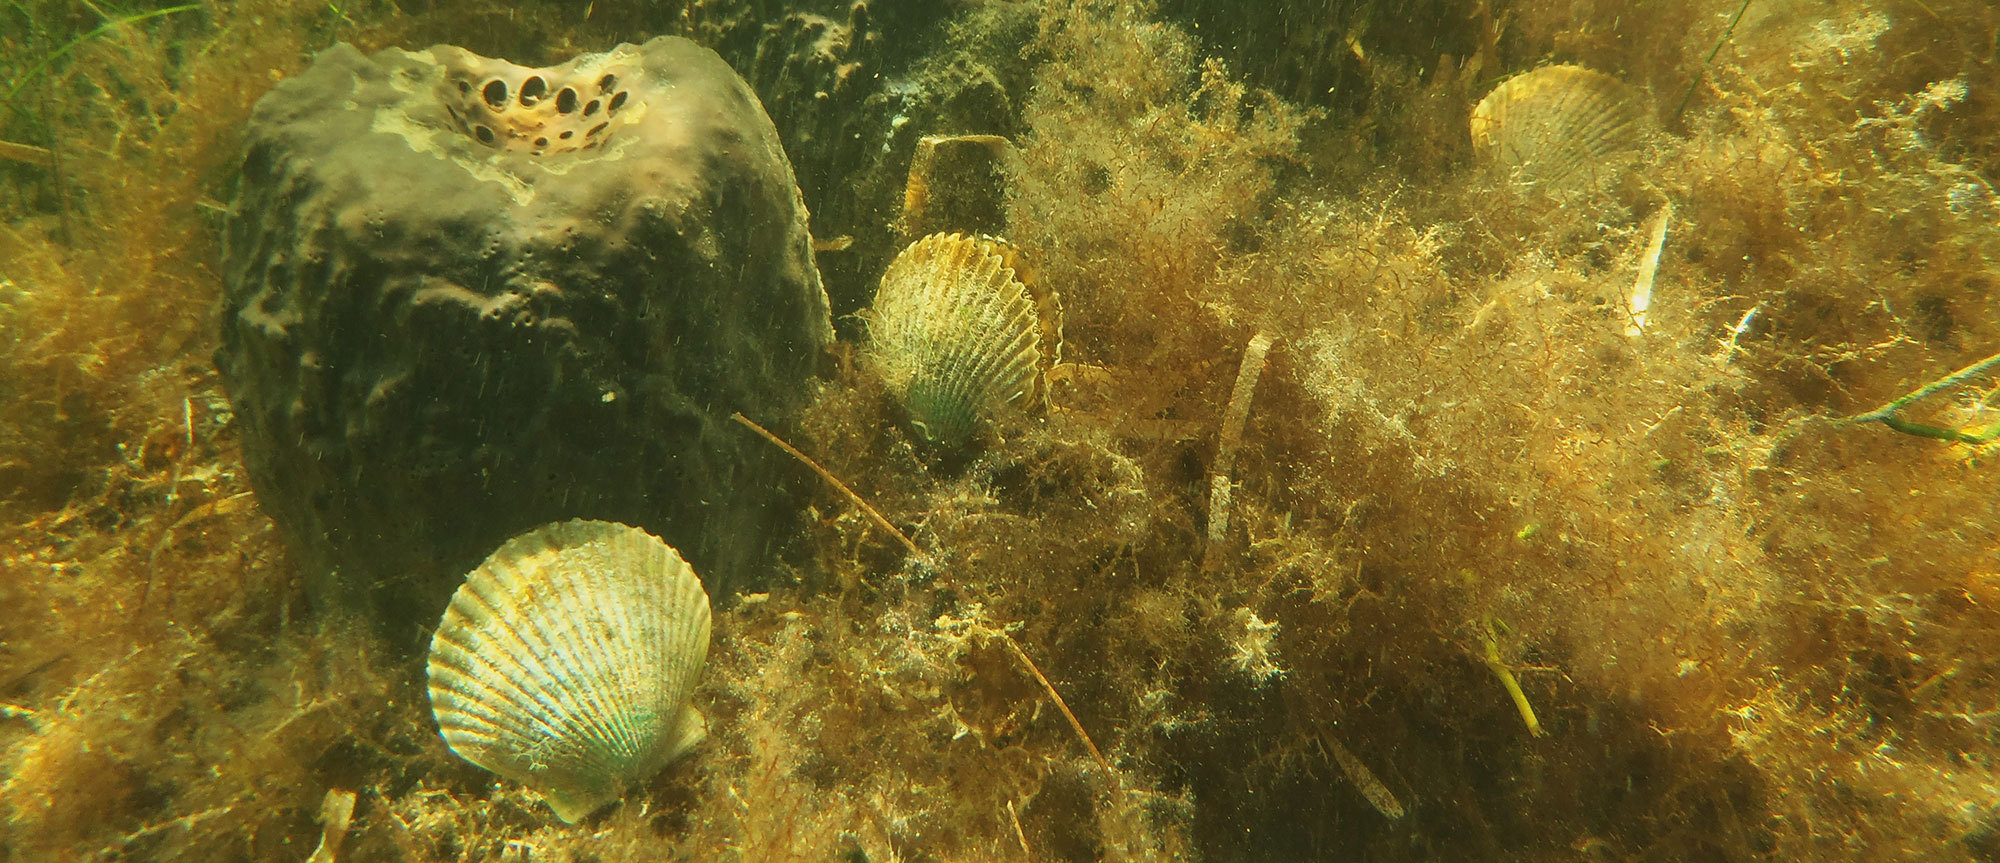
<point>853,85</point>
<point>464,298</point>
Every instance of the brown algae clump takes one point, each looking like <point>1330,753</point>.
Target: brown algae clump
<point>1748,625</point>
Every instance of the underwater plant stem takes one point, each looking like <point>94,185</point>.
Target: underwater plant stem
<point>1717,50</point>
<point>834,481</point>
<point>27,153</point>
<point>1944,434</point>
<point>102,29</point>
<point>1220,488</point>
<point>1929,389</point>
<point>1506,675</point>
<point>1886,414</point>
<point>1062,705</point>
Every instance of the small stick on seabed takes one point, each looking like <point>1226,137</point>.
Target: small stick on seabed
<point>1233,420</point>
<point>1062,705</point>
<point>834,481</point>
<point>1019,834</point>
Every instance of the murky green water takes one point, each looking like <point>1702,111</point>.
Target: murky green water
<point>1096,431</point>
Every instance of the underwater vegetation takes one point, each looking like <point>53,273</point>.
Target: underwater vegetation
<point>1398,491</point>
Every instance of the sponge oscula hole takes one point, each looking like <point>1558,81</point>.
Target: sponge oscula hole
<point>591,108</point>
<point>607,82</point>
<point>484,134</point>
<point>495,93</point>
<point>617,102</point>
<point>566,100</point>
<point>532,91</point>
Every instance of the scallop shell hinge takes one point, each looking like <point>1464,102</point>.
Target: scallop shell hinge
<point>958,333</point>
<point>1557,126</point>
<point>566,660</point>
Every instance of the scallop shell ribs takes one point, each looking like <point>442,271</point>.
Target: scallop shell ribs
<point>1556,126</point>
<point>566,660</point>
<point>957,333</point>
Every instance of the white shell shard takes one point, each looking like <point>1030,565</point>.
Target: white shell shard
<point>957,333</point>
<point>566,660</point>
<point>1557,126</point>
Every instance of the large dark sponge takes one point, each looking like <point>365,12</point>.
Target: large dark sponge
<point>465,298</point>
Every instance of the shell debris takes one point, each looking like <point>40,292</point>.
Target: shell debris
<point>958,332</point>
<point>336,812</point>
<point>566,660</point>
<point>1557,126</point>
<point>1640,303</point>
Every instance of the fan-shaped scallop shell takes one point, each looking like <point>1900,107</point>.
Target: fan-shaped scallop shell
<point>1556,126</point>
<point>958,332</point>
<point>565,662</point>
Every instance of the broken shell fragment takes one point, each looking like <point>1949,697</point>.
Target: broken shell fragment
<point>1557,126</point>
<point>958,333</point>
<point>566,660</point>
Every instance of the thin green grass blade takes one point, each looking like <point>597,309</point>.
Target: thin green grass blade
<point>36,70</point>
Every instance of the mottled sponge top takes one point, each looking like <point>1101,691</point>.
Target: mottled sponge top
<point>551,110</point>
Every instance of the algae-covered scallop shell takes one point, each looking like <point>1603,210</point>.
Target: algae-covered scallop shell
<point>566,659</point>
<point>1556,126</point>
<point>957,333</point>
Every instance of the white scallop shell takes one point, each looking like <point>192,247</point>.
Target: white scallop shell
<point>957,333</point>
<point>565,662</point>
<point>1556,126</point>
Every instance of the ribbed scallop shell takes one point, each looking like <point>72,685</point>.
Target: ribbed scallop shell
<point>1556,126</point>
<point>958,333</point>
<point>565,662</point>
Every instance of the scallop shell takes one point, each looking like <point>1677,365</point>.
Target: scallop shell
<point>1556,126</point>
<point>958,333</point>
<point>565,662</point>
